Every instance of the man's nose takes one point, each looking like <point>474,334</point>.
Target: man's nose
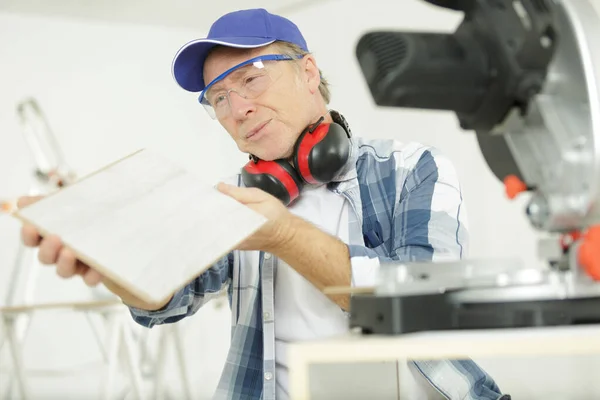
<point>240,106</point>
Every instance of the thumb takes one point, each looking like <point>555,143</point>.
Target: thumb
<point>27,200</point>
<point>243,195</point>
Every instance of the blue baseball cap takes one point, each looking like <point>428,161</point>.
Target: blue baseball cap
<point>242,29</point>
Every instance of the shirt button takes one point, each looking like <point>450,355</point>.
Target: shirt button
<point>267,256</point>
<point>268,376</point>
<point>266,315</point>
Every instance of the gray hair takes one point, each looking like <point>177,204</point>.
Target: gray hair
<point>292,50</point>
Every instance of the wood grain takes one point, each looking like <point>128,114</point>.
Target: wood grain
<point>144,222</point>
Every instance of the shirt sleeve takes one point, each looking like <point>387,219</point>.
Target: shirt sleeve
<point>190,298</point>
<point>428,222</point>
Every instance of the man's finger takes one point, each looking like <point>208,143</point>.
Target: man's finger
<point>66,265</point>
<point>81,268</point>
<point>243,195</point>
<point>49,249</point>
<point>92,277</point>
<point>30,236</point>
<point>27,200</point>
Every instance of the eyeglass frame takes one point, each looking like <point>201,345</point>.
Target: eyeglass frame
<point>267,57</point>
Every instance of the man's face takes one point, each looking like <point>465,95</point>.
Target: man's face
<point>268,125</point>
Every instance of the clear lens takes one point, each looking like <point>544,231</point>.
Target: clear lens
<point>248,81</point>
<point>209,110</point>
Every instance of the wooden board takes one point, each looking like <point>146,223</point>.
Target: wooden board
<point>73,305</point>
<point>438,345</point>
<point>339,290</point>
<point>145,223</point>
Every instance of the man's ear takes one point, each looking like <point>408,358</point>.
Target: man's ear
<point>312,73</point>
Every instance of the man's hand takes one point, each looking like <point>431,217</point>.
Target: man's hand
<point>322,259</point>
<point>52,252</point>
<point>273,234</point>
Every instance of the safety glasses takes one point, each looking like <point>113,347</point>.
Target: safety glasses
<point>249,80</point>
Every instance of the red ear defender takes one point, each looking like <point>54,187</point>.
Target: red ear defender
<point>275,177</point>
<point>321,152</point>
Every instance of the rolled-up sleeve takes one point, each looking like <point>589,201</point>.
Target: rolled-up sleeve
<point>365,264</point>
<point>428,222</point>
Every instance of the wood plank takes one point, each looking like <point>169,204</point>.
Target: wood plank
<point>336,290</point>
<point>67,305</point>
<point>438,345</point>
<point>452,344</point>
<point>144,222</point>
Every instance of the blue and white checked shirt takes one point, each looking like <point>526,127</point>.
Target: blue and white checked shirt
<point>406,205</point>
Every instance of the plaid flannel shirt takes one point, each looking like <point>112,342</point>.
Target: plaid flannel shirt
<point>406,205</point>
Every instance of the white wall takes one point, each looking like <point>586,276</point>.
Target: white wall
<point>107,90</point>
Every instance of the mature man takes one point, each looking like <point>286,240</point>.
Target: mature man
<point>338,206</point>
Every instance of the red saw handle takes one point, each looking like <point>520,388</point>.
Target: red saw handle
<point>589,252</point>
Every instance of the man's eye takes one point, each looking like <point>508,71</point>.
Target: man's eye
<point>253,79</point>
<point>218,100</point>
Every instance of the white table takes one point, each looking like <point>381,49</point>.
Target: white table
<point>356,348</point>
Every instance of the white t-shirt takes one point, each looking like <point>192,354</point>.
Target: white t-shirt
<point>302,312</point>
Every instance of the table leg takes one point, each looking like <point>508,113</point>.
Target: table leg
<point>14,348</point>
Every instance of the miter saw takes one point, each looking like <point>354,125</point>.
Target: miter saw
<point>524,75</point>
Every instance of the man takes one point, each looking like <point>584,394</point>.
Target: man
<point>386,201</point>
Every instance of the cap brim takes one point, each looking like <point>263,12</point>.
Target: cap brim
<point>188,63</point>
